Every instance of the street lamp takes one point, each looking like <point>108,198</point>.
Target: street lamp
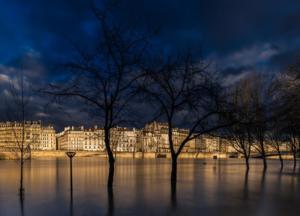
<point>71,154</point>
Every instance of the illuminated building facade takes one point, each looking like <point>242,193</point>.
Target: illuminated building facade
<point>32,134</point>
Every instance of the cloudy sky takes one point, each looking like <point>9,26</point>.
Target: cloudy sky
<point>238,36</point>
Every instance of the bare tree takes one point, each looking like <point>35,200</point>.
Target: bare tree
<point>250,108</point>
<point>240,132</point>
<point>276,134</point>
<point>276,138</point>
<point>260,116</point>
<point>291,130</point>
<point>258,108</point>
<point>104,77</point>
<point>288,87</point>
<point>183,92</point>
<point>294,144</point>
<point>17,105</point>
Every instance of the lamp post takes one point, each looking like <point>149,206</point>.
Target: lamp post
<point>71,154</point>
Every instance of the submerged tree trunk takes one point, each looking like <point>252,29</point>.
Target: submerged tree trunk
<point>173,194</point>
<point>281,160</point>
<point>174,180</point>
<point>111,159</point>
<point>110,196</point>
<point>295,159</point>
<point>263,154</point>
<point>265,162</point>
<point>246,187</point>
<point>174,169</point>
<point>111,172</point>
<point>247,161</point>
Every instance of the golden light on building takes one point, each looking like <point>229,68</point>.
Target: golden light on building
<point>32,133</point>
<point>153,138</point>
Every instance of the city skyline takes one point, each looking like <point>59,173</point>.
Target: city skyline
<point>152,138</point>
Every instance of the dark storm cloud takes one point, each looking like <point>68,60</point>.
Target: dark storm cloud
<point>237,35</point>
<point>39,106</point>
<point>220,26</point>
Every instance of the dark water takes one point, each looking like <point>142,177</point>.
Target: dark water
<point>213,187</point>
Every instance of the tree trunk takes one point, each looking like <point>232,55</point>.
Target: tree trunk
<point>111,171</point>
<point>173,194</point>
<point>295,159</point>
<point>281,160</point>
<point>173,179</point>
<point>111,159</point>
<point>263,155</point>
<point>247,162</point>
<point>265,162</point>
<point>174,169</point>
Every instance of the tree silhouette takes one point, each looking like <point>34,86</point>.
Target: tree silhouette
<point>104,77</point>
<point>183,92</point>
<point>17,101</point>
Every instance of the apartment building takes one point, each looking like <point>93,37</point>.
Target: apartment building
<point>123,139</point>
<point>32,134</point>
<point>81,139</point>
<point>154,138</point>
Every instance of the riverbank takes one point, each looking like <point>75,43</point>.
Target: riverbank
<point>57,154</point>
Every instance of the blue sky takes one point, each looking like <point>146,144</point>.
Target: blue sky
<point>236,35</point>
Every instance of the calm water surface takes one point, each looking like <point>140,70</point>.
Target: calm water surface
<point>211,187</point>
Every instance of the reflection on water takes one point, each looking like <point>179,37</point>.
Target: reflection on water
<point>71,202</point>
<point>22,205</point>
<point>216,187</point>
<point>110,206</point>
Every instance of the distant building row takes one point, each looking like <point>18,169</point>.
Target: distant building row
<point>152,138</point>
<point>31,133</point>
